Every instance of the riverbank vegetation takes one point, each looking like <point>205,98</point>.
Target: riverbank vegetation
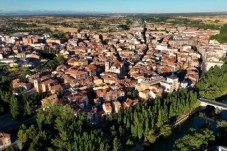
<point>195,140</point>
<point>203,138</point>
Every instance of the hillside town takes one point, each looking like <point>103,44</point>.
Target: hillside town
<point>104,73</point>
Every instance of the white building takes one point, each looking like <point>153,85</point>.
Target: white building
<point>161,47</point>
<point>171,84</point>
<point>210,64</point>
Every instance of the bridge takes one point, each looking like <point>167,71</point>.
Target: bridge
<point>204,102</point>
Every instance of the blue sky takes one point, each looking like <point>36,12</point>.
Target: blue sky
<point>117,6</point>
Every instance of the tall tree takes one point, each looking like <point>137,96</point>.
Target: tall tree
<point>27,109</point>
<point>116,144</point>
<point>14,107</point>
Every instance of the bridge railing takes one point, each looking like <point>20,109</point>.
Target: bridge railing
<point>213,102</point>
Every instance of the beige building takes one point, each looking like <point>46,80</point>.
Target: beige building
<point>43,86</point>
<point>115,67</point>
<point>147,94</point>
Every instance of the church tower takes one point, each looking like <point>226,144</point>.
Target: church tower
<point>107,66</point>
<point>37,85</point>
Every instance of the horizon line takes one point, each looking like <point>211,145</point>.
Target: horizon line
<point>71,12</point>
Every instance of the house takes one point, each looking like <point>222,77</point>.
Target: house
<point>156,91</point>
<point>115,67</point>
<point>77,74</point>
<point>176,43</point>
<point>68,79</point>
<point>5,140</point>
<point>110,94</point>
<point>161,47</point>
<point>62,68</point>
<point>56,88</point>
<point>145,83</point>
<point>80,98</point>
<point>76,62</point>
<point>49,101</point>
<point>91,69</point>
<point>171,84</point>
<point>107,107</point>
<point>144,94</point>
<point>46,85</point>
<point>184,84</point>
<point>129,102</point>
<point>194,78</point>
<point>116,106</point>
<point>35,56</point>
<point>98,81</point>
<point>210,64</point>
<point>174,80</point>
<point>147,94</point>
<point>17,83</point>
<point>126,54</point>
<point>19,86</point>
<point>43,84</point>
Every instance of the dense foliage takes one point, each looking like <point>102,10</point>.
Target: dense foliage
<point>5,95</point>
<point>195,140</point>
<point>214,83</point>
<point>222,37</point>
<point>222,132</point>
<point>17,106</point>
<point>203,138</point>
<point>179,21</point>
<point>53,60</point>
<point>124,27</point>
<point>59,129</point>
<point>147,122</point>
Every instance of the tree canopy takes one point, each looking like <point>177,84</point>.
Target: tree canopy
<point>59,129</point>
<point>222,37</point>
<point>195,140</point>
<point>214,83</point>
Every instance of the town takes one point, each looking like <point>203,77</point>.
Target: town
<point>103,73</point>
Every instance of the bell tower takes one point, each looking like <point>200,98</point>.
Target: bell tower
<point>37,84</point>
<point>107,66</point>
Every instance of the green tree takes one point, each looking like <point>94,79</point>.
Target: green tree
<point>166,130</point>
<point>195,140</point>
<point>116,144</point>
<point>151,137</point>
<point>222,131</point>
<point>22,135</point>
<point>59,129</point>
<point>214,83</point>
<point>14,107</point>
<point>60,59</point>
<point>129,142</point>
<point>222,37</point>
<point>27,109</point>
